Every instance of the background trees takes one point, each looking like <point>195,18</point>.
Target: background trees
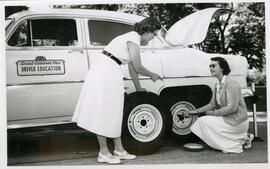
<point>247,34</point>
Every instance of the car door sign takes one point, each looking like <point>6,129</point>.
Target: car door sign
<point>40,66</point>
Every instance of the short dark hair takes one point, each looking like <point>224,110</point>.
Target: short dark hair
<point>223,64</point>
<point>147,25</point>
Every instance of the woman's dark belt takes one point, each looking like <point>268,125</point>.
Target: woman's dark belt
<point>112,57</point>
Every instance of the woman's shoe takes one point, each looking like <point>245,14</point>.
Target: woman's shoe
<point>124,155</point>
<point>234,152</point>
<point>108,159</point>
<point>248,142</point>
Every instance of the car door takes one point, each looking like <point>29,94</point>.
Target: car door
<point>46,65</point>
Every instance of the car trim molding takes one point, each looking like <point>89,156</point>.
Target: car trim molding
<point>44,83</point>
<point>28,125</point>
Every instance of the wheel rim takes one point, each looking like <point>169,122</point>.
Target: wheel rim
<point>181,122</point>
<point>145,123</point>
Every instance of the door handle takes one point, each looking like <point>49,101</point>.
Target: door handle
<point>76,50</point>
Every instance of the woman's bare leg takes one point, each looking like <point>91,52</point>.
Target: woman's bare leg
<point>118,144</point>
<point>103,147</point>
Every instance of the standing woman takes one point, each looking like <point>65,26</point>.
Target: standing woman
<point>225,125</point>
<point>100,105</point>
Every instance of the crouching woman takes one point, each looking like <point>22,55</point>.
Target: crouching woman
<point>225,126</point>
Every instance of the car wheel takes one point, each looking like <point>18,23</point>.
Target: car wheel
<point>179,100</point>
<point>182,122</point>
<point>146,123</point>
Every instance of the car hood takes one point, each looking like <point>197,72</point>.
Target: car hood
<point>193,28</point>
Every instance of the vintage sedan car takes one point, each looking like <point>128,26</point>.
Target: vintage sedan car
<point>48,54</point>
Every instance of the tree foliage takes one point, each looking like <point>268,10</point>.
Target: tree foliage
<point>247,34</point>
<point>9,10</point>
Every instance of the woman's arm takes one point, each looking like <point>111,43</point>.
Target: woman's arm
<point>134,77</point>
<point>134,51</point>
<point>233,94</point>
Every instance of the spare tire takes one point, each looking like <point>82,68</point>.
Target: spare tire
<point>147,123</point>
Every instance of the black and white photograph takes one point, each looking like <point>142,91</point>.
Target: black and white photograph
<point>132,83</point>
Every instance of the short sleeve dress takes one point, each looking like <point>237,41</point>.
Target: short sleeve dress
<point>100,105</point>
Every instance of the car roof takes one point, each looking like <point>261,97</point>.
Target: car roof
<point>115,15</point>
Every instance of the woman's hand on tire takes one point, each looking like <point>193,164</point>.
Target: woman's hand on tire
<point>155,77</point>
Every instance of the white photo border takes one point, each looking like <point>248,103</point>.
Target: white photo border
<point>3,124</point>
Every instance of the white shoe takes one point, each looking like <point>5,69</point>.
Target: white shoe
<point>108,159</point>
<point>234,152</point>
<point>248,142</point>
<point>124,155</point>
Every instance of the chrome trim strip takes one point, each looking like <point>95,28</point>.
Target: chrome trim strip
<point>10,121</point>
<point>175,77</point>
<point>82,81</point>
<point>45,83</point>
<point>18,126</point>
<point>163,78</point>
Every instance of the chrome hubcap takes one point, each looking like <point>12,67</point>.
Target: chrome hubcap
<point>145,122</point>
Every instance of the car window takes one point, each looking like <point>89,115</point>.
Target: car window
<point>21,36</point>
<point>102,32</point>
<point>45,32</point>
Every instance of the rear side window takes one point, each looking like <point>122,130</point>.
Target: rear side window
<point>45,32</point>
<point>102,32</point>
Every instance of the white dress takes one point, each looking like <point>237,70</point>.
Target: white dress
<point>100,105</point>
<point>218,134</point>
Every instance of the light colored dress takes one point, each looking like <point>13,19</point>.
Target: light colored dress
<point>100,105</point>
<point>217,133</point>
